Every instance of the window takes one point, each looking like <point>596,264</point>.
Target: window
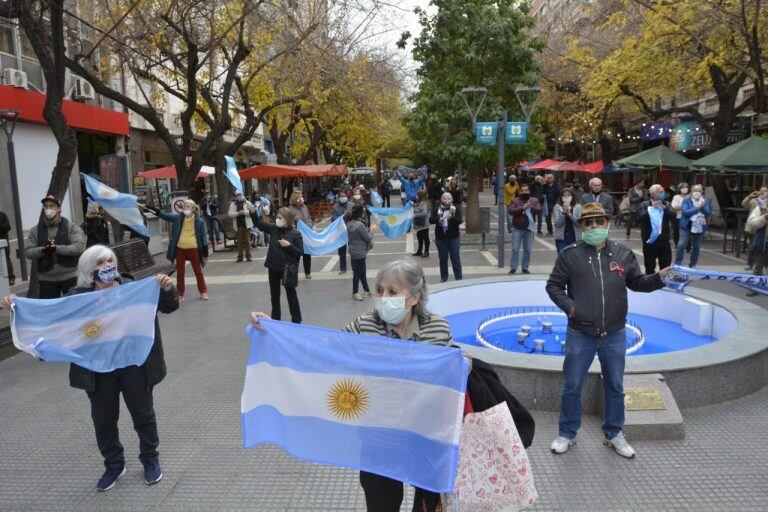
<point>6,38</point>
<point>26,47</point>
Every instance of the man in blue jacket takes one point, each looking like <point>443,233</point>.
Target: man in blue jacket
<point>409,183</point>
<point>693,224</point>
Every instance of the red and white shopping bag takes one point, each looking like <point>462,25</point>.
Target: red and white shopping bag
<point>493,473</point>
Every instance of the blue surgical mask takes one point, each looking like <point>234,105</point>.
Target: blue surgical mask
<point>391,309</point>
<point>662,195</point>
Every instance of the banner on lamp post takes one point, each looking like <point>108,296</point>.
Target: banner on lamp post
<point>516,133</point>
<point>485,133</point>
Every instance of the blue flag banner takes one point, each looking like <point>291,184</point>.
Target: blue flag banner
<point>393,222</point>
<point>101,330</point>
<point>233,176</point>
<point>678,278</point>
<point>124,208</point>
<point>656,214</point>
<point>376,199</point>
<point>386,406</point>
<point>328,240</point>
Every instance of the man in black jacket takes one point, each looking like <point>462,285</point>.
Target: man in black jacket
<point>589,283</point>
<point>5,228</point>
<point>656,244</point>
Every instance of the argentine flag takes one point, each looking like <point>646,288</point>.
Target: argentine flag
<point>328,240</point>
<point>385,406</point>
<point>101,330</point>
<point>121,207</point>
<point>393,222</point>
<point>233,175</point>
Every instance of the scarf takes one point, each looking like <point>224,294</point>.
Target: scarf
<point>656,214</point>
<point>529,216</point>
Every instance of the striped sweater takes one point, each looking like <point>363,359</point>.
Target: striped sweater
<point>434,329</point>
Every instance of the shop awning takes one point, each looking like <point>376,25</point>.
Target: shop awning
<point>574,167</point>
<point>169,172</point>
<point>659,157</point>
<point>594,167</point>
<point>270,171</point>
<point>747,156</point>
<point>542,165</point>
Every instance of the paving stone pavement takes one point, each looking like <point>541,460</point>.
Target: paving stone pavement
<point>49,460</point>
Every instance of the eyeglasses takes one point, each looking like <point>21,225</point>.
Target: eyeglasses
<point>588,223</point>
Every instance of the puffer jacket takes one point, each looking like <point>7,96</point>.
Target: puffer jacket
<point>278,256</point>
<point>595,284</point>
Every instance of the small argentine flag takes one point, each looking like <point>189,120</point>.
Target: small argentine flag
<point>328,240</point>
<point>386,406</point>
<point>393,222</point>
<point>233,175</point>
<point>101,330</point>
<point>121,207</point>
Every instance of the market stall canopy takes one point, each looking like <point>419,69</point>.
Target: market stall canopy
<point>169,172</point>
<point>573,167</point>
<point>594,167</point>
<point>659,157</point>
<point>747,156</point>
<point>270,171</point>
<point>525,165</point>
<point>542,165</point>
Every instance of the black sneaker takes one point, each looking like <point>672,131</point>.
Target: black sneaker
<point>752,293</point>
<point>512,271</point>
<point>525,271</point>
<point>110,478</point>
<point>152,471</point>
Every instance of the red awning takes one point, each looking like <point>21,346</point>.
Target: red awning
<point>595,167</point>
<point>169,172</point>
<point>269,171</point>
<point>543,164</point>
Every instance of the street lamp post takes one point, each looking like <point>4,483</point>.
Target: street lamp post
<point>8,122</point>
<point>477,96</point>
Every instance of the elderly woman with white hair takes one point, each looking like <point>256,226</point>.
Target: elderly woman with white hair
<point>693,224</point>
<point>447,219</point>
<point>97,270</point>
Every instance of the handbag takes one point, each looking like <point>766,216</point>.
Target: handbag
<point>291,275</point>
<point>493,473</point>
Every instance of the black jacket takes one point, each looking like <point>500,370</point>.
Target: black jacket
<point>645,222</point>
<point>154,367</point>
<point>453,224</point>
<point>277,256</point>
<point>595,284</point>
<point>96,230</point>
<point>435,190</point>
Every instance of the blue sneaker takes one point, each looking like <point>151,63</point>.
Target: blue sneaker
<point>152,471</point>
<point>110,478</point>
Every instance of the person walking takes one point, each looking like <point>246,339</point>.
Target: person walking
<point>187,241</point>
<point>241,212</point>
<point>301,213</point>
<point>522,212</point>
<point>5,229</point>
<point>551,193</point>
<point>655,217</point>
<point>95,227</point>
<point>495,185</point>
<point>596,195</point>
<point>209,207</point>
<point>564,216</point>
<point>595,301</point>
<point>54,247</point>
<point>693,225</point>
<point>421,214</point>
<point>677,207</point>
<point>511,189</point>
<point>636,196</point>
<point>285,249</point>
<point>360,242</point>
<point>341,208</point>
<point>447,219</point>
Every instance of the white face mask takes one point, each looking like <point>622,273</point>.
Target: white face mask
<point>567,199</point>
<point>187,212</point>
<point>391,309</point>
<point>343,200</point>
<point>265,210</point>
<point>356,197</point>
<point>696,195</point>
<point>280,223</point>
<point>684,191</point>
<point>50,213</point>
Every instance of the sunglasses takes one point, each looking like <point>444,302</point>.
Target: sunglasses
<point>588,223</point>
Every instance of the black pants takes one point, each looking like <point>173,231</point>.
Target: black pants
<point>105,411</point>
<point>275,282</point>
<point>384,494</point>
<point>548,218</point>
<point>11,275</point>
<point>385,201</point>
<point>631,221</point>
<point>676,231</point>
<point>343,258</point>
<point>307,260</point>
<point>358,275</point>
<point>55,289</point>
<point>422,236</point>
<point>659,250</point>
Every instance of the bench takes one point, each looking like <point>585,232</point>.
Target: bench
<point>133,257</point>
<point>227,228</point>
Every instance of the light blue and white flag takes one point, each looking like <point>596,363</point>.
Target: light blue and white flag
<point>376,199</point>
<point>124,208</point>
<point>328,240</point>
<point>656,214</point>
<point>233,175</point>
<point>393,222</point>
<point>678,278</point>
<point>386,406</point>
<point>101,330</point>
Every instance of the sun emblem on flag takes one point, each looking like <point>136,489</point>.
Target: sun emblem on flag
<point>347,399</point>
<point>91,330</point>
<point>392,220</point>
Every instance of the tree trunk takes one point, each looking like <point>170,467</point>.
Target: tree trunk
<point>472,213</point>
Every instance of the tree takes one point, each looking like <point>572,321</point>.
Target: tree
<point>469,43</point>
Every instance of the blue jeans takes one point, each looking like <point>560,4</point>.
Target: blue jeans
<point>579,353</point>
<point>696,239</point>
<point>446,249</point>
<point>214,232</point>
<point>524,237</point>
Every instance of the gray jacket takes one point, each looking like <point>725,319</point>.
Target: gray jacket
<point>603,199</point>
<point>34,251</point>
<point>338,209</point>
<point>421,216</point>
<point>594,283</point>
<point>359,238</point>
<point>635,199</point>
<point>559,219</point>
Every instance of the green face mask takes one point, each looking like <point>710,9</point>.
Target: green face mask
<point>595,236</point>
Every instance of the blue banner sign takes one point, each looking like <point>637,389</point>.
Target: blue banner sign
<point>485,133</point>
<point>517,133</point>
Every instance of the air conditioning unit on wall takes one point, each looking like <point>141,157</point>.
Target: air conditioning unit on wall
<point>83,90</point>
<point>15,78</point>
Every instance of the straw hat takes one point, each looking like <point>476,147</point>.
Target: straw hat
<point>592,211</point>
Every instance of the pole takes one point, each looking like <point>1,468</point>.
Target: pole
<point>16,207</point>
<point>500,181</point>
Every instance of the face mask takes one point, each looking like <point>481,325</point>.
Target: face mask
<point>445,205</point>
<point>595,236</point>
<point>356,197</point>
<point>697,195</point>
<point>684,191</point>
<point>662,195</point>
<point>50,213</point>
<point>342,200</point>
<point>105,274</point>
<point>187,213</point>
<point>280,223</point>
<point>763,196</point>
<point>391,309</point>
<point>567,199</point>
<point>300,202</point>
<point>525,197</point>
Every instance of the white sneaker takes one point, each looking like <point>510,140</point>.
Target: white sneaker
<point>621,446</point>
<point>561,444</point>
<point>366,295</point>
<point>357,296</point>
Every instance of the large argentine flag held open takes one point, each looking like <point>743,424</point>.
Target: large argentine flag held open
<point>122,207</point>
<point>393,222</point>
<point>328,240</point>
<point>381,405</point>
<point>101,330</point>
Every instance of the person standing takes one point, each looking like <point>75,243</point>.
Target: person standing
<point>300,212</point>
<point>589,283</point>
<point>95,226</point>
<point>456,194</point>
<point>511,190</point>
<point>342,208</point>
<point>447,219</point>
<point>757,223</point>
<point>551,193</point>
<point>693,225</point>
<point>360,242</point>
<point>409,183</point>
<point>421,214</point>
<point>537,192</point>
<point>385,189</point>
<point>522,212</point>
<point>434,191</point>
<point>54,246</point>
<point>187,241</point>
<point>756,199</point>
<point>5,229</point>
<point>655,229</point>
<point>564,216</point>
<point>636,196</point>
<point>209,207</point>
<point>495,184</point>
<point>241,211</point>
<point>677,207</point>
<point>596,195</point>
